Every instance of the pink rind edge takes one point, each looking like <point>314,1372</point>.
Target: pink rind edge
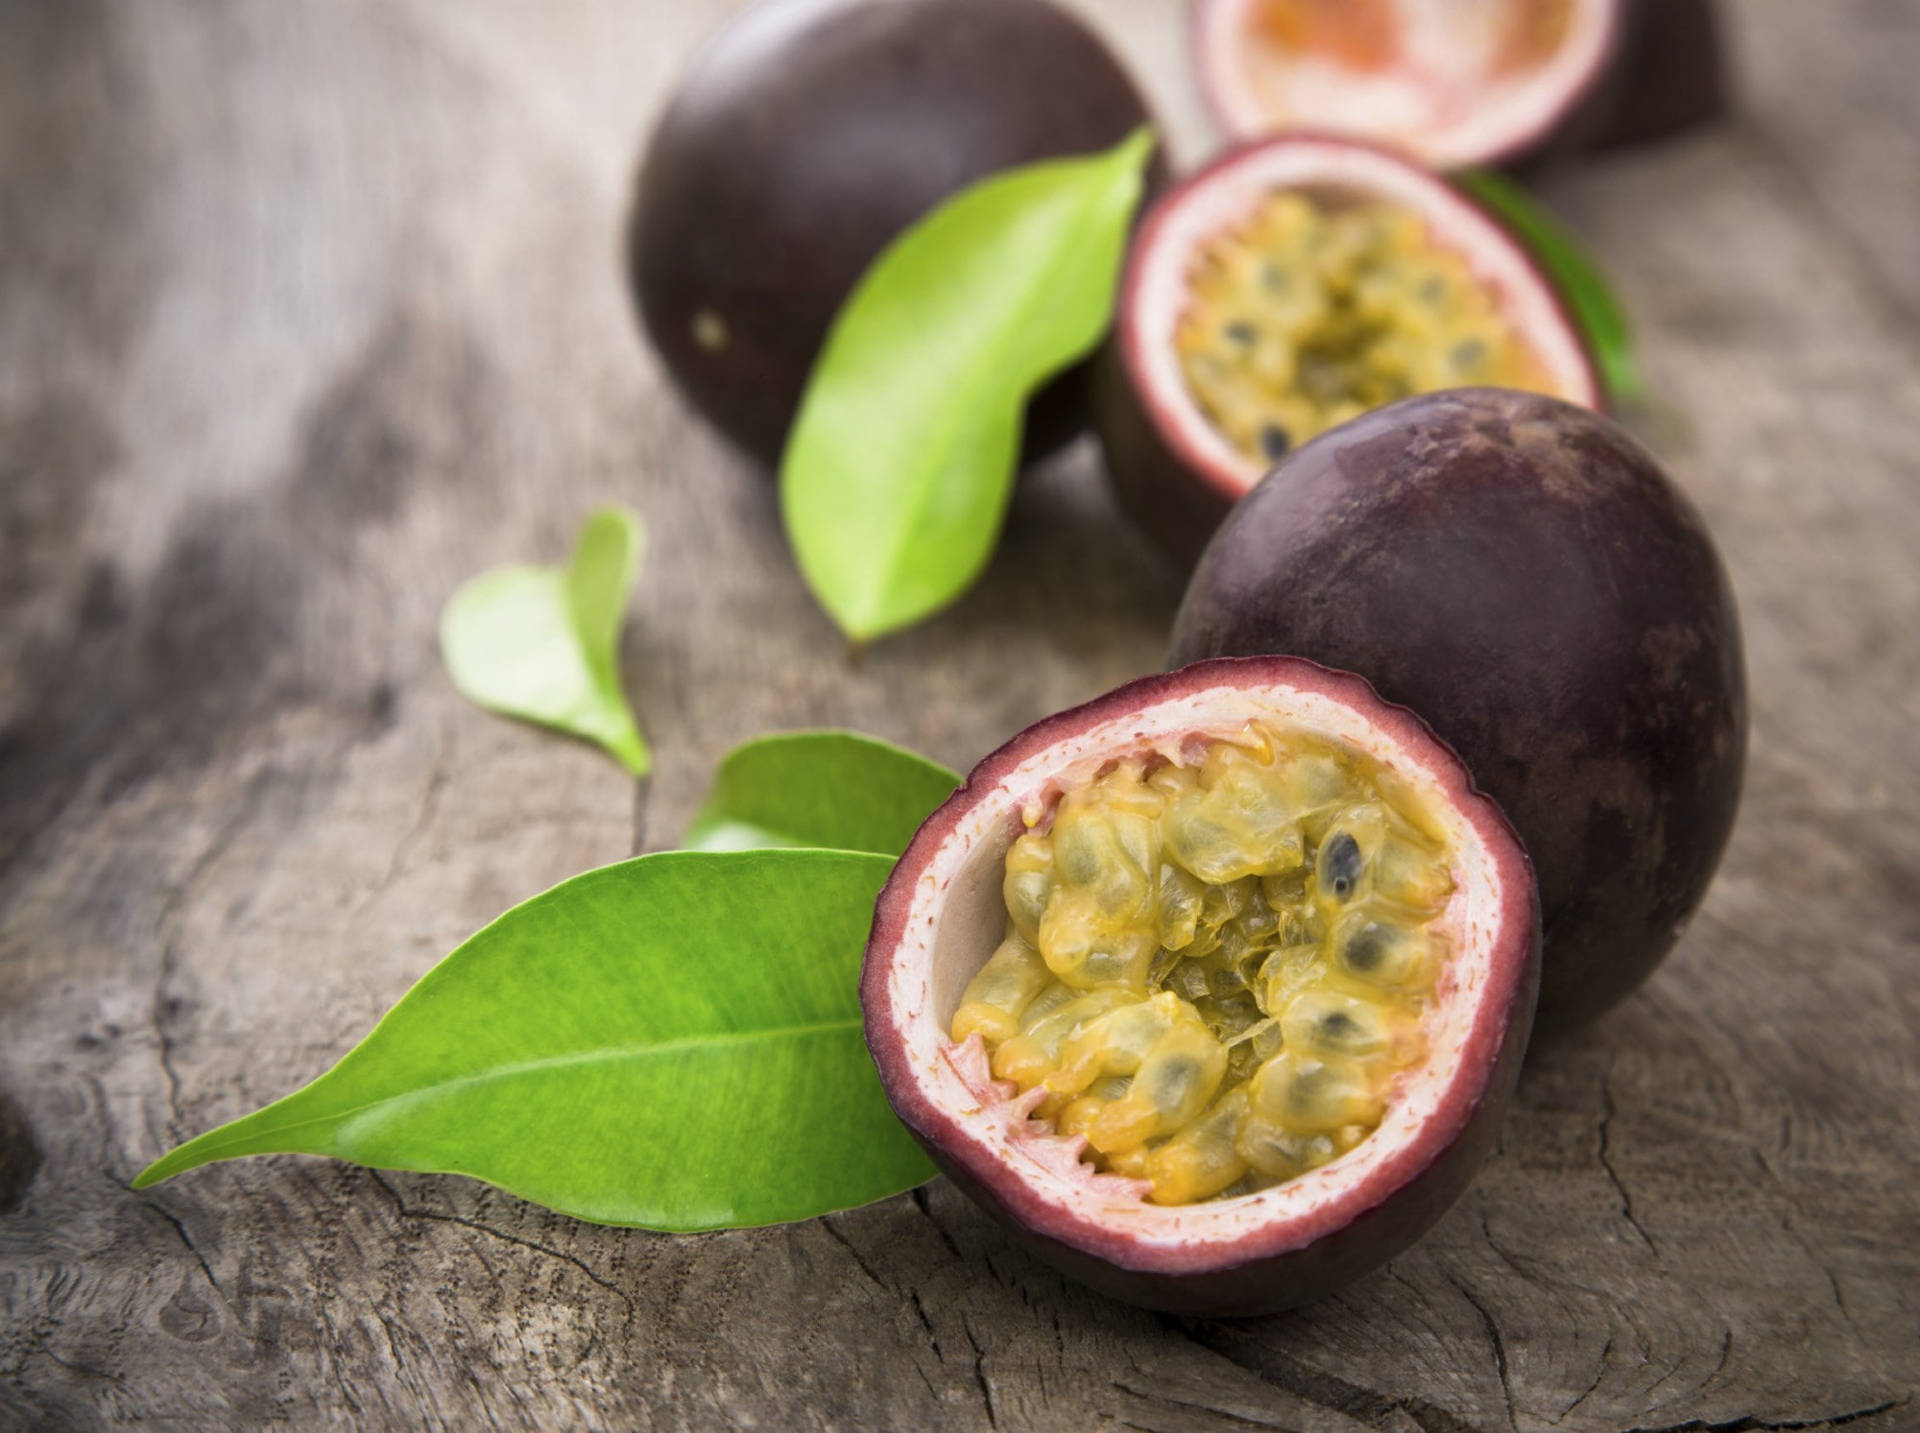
<point>1237,132</point>
<point>1512,978</point>
<point>1227,486</point>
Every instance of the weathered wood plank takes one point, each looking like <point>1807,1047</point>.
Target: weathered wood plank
<point>306,312</point>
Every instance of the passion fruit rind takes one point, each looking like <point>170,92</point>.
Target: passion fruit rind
<point>1521,572</point>
<point>1509,112</point>
<point>1175,466</point>
<point>943,913</point>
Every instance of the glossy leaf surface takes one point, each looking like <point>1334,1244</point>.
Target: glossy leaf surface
<point>543,643</point>
<point>836,789</point>
<point>897,473</point>
<point>673,1042</point>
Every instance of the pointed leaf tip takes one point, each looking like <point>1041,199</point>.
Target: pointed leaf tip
<point>898,471</point>
<point>542,644</point>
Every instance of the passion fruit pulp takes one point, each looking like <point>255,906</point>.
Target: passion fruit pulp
<point>1214,988</point>
<point>1290,286</point>
<point>807,136</point>
<point>1450,83</point>
<point>1521,572</point>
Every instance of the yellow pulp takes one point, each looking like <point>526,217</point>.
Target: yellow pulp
<point>1217,971</point>
<point>1307,315</point>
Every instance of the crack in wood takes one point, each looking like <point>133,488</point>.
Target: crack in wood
<point>405,1212</point>
<point>1792,1231</point>
<point>1599,1375</point>
<point>1606,1158</point>
<point>1753,1424</point>
<point>1169,1400</point>
<point>1499,1345</point>
<point>423,814</point>
<point>858,1258</point>
<point>162,1013</point>
<point>1380,1411</point>
<point>186,1239</point>
<point>980,1371</point>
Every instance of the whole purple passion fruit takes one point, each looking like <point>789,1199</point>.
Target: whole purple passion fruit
<point>1213,989</point>
<point>804,138</point>
<point>1290,286</point>
<point>1520,572</point>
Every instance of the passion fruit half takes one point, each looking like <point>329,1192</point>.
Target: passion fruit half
<point>1290,286</point>
<point>1450,82</point>
<point>1213,989</point>
<point>805,137</point>
<point>1522,573</point>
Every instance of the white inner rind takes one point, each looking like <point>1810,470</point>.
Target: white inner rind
<point>1441,101</point>
<point>1224,196</point>
<point>958,913</point>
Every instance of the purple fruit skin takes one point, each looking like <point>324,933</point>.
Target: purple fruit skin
<point>1166,501</point>
<point>1519,572</point>
<point>1670,74</point>
<point>807,136</point>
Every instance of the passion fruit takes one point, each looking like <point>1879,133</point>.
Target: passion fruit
<point>810,133</point>
<point>1292,285</point>
<point>1456,84</point>
<point>1450,83</point>
<point>1521,573</point>
<point>1214,989</point>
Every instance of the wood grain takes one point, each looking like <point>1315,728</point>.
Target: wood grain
<point>307,311</point>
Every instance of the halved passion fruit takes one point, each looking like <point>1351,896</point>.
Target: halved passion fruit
<point>1289,287</point>
<point>1214,988</point>
<point>1451,82</point>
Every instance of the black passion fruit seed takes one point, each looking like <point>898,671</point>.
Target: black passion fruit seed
<point>1176,975</point>
<point>1308,314</point>
<point>1284,290</point>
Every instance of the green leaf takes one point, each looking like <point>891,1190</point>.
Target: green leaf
<point>543,643</point>
<point>819,788</point>
<point>673,1042</point>
<point>1601,317</point>
<point>897,473</point>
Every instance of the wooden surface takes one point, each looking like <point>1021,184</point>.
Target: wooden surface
<point>308,311</point>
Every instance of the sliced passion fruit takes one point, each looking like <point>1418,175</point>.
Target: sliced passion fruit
<point>1450,82</point>
<point>1291,286</point>
<point>805,137</point>
<point>1522,573</point>
<point>1214,988</point>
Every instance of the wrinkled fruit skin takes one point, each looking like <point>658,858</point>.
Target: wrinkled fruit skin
<point>809,134</point>
<point>1520,572</point>
<point>1362,1234</point>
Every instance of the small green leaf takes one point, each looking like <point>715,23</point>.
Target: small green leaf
<point>543,643</point>
<point>819,788</point>
<point>1601,317</point>
<point>897,473</point>
<point>673,1042</point>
